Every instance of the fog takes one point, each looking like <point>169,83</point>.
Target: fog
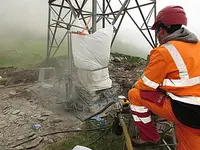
<point>23,21</point>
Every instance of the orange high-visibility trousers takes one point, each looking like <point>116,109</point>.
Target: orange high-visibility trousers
<point>188,138</point>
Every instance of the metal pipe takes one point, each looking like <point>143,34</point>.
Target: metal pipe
<point>112,12</point>
<point>166,144</point>
<point>71,8</point>
<point>118,28</point>
<point>69,74</point>
<point>155,11</point>
<point>140,30</point>
<point>55,30</point>
<point>48,37</point>
<point>145,23</point>
<point>124,5</point>
<point>103,20</point>
<point>59,44</point>
<point>130,8</point>
<point>68,24</point>
<point>148,16</point>
<point>94,17</point>
<point>174,137</point>
<point>58,14</point>
<point>126,134</point>
<point>80,12</point>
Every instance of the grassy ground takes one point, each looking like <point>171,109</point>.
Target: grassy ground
<point>103,139</point>
<point>108,142</point>
<point>24,53</point>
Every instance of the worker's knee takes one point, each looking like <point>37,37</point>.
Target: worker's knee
<point>134,96</point>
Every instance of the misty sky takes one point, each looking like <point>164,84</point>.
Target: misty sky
<point>28,17</point>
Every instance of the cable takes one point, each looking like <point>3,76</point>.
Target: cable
<point>57,132</point>
<point>99,137</point>
<point>102,110</point>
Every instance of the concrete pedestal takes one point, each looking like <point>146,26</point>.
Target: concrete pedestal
<point>46,73</point>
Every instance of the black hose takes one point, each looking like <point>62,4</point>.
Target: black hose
<point>99,137</point>
<point>102,110</point>
<point>57,132</point>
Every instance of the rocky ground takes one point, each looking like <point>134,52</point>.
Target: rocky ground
<point>25,102</point>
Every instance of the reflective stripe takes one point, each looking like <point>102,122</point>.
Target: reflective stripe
<point>149,83</point>
<point>186,99</point>
<point>139,109</point>
<point>181,82</point>
<point>183,73</point>
<point>139,119</point>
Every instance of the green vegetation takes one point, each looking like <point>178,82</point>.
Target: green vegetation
<point>24,52</point>
<point>108,142</point>
<point>127,58</point>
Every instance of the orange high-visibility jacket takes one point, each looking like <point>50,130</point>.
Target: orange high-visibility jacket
<point>175,68</point>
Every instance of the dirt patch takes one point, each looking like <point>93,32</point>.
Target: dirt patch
<point>16,75</point>
<point>24,105</point>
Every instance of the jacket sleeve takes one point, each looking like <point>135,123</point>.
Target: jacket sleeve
<point>155,72</point>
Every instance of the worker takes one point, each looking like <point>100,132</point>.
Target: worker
<point>170,84</point>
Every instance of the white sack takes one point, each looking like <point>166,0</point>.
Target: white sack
<point>91,55</point>
<point>92,51</point>
<point>95,80</point>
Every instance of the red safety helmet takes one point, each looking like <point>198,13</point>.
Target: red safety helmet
<point>171,15</point>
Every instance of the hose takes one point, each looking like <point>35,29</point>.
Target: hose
<point>126,134</point>
<point>57,132</point>
<point>102,110</point>
<point>100,137</point>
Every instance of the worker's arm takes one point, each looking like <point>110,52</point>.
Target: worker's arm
<point>154,73</point>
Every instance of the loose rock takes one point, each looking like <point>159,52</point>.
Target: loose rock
<point>34,143</point>
<point>16,112</point>
<point>3,124</point>
<point>21,137</point>
<point>12,93</point>
<point>42,118</point>
<point>19,147</point>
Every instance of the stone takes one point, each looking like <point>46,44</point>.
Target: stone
<point>45,138</point>
<point>34,143</point>
<point>2,86</point>
<point>21,113</point>
<point>12,93</point>
<point>28,90</point>
<point>46,86</point>
<point>31,134</point>
<point>13,117</point>
<point>57,120</point>
<point>15,112</point>
<point>19,147</point>
<point>5,111</point>
<point>3,81</point>
<point>3,124</point>
<point>1,135</point>
<point>21,137</point>
<point>50,141</point>
<point>47,113</point>
<point>42,118</point>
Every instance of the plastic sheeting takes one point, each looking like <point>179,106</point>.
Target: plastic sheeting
<point>91,55</point>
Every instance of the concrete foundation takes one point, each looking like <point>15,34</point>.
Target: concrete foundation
<point>46,73</point>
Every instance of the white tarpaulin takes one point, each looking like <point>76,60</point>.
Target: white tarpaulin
<point>91,55</point>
